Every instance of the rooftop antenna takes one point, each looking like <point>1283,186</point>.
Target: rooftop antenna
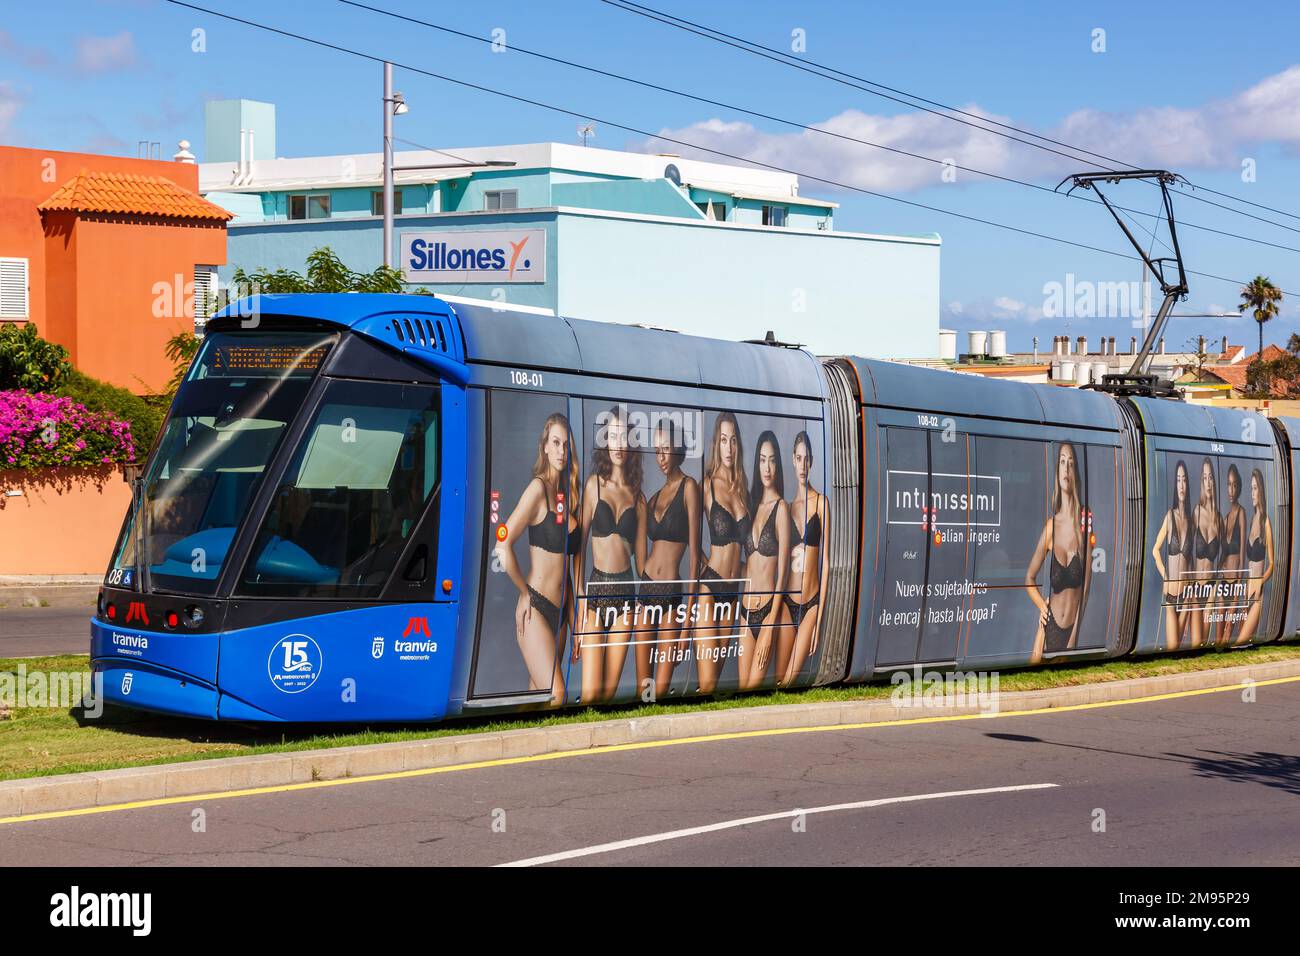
<point>771,340</point>
<point>587,131</point>
<point>1138,380</point>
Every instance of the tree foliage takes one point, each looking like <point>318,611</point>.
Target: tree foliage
<point>1261,298</point>
<point>30,363</point>
<point>1279,378</point>
<point>180,351</point>
<point>326,272</point>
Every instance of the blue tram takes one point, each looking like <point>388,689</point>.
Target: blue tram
<point>368,508</point>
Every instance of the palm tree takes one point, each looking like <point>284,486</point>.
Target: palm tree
<point>1262,298</point>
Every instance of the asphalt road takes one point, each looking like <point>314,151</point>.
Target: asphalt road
<point>61,628</point>
<point>1194,781</point>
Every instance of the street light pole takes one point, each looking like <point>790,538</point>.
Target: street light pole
<point>388,165</point>
<point>395,105</point>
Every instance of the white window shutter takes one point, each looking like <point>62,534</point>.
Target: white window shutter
<point>14,302</point>
<point>205,294</point>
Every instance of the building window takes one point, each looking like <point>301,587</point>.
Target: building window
<point>309,207</point>
<point>205,295</point>
<point>13,288</point>
<point>377,202</point>
<point>716,211</point>
<point>774,215</point>
<point>500,200</point>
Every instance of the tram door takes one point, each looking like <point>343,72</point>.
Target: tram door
<point>907,490</point>
<point>951,492</point>
<point>532,510</point>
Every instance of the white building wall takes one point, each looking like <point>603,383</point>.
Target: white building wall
<point>834,292</point>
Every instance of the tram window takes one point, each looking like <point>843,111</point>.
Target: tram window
<point>225,426</point>
<point>347,504</point>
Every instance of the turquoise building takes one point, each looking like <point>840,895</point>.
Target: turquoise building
<point>706,248</point>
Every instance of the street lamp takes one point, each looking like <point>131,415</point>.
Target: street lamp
<point>394,105</point>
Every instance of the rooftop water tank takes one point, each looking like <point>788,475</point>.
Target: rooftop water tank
<point>948,345</point>
<point>997,344</point>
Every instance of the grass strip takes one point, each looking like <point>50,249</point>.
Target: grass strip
<point>43,741</point>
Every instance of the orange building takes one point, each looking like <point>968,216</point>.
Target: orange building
<point>103,254</point>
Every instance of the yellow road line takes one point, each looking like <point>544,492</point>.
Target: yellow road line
<point>619,748</point>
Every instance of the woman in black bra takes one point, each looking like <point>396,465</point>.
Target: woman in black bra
<point>554,541</point>
<point>673,530</point>
<point>726,509</point>
<point>1232,560</point>
<point>1173,554</point>
<point>1259,555</point>
<point>767,549</point>
<point>808,515</point>
<point>613,519</point>
<point>1065,541</point>
<point>1207,546</point>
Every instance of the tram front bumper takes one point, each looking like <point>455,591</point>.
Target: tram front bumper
<point>171,673</point>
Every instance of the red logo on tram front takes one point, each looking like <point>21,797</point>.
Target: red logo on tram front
<point>417,625</point>
<point>136,610</point>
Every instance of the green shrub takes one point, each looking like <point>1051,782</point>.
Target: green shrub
<point>28,362</point>
<point>145,416</point>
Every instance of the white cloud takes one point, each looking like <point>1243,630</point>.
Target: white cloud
<point>106,54</point>
<point>29,56</point>
<point>989,313</point>
<point>838,158</point>
<point>1214,135</point>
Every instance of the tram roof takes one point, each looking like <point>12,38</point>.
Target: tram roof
<point>940,391</point>
<point>1160,416</point>
<point>498,334</point>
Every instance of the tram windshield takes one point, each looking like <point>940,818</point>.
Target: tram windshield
<point>228,419</point>
<point>348,505</point>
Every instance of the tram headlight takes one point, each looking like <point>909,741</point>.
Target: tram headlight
<point>193,616</point>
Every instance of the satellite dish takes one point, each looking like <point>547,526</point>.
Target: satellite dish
<point>673,174</point>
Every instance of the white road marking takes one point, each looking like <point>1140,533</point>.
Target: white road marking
<point>764,818</point>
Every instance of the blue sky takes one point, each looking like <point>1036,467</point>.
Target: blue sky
<point>1198,92</point>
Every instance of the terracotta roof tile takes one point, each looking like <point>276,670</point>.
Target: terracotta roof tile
<point>1271,354</point>
<point>131,194</point>
<point>1235,374</point>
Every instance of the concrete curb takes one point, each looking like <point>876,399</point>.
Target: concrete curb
<point>30,591</point>
<point>108,787</point>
